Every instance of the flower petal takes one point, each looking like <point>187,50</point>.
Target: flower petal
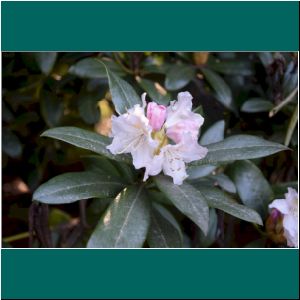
<point>281,205</point>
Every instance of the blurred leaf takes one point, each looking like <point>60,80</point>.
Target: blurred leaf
<point>243,68</point>
<point>45,61</point>
<point>213,134</point>
<point>91,68</point>
<point>220,200</point>
<point>151,88</point>
<point>266,58</point>
<point>279,189</point>
<point>205,241</point>
<point>164,231</point>
<point>187,199</point>
<point>11,144</point>
<point>58,217</point>
<point>88,108</point>
<point>222,91</point>
<point>85,139</point>
<point>7,115</point>
<point>252,187</point>
<point>123,95</point>
<point>125,223</point>
<point>239,147</point>
<point>255,105</point>
<point>52,109</point>
<point>200,58</point>
<point>71,187</point>
<point>260,243</point>
<point>178,76</point>
<point>290,80</point>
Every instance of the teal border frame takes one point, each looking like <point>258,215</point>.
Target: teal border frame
<point>150,26</point>
<point>145,26</point>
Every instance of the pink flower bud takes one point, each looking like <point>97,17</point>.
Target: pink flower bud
<point>156,115</point>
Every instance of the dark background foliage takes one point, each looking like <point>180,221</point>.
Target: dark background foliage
<point>254,93</point>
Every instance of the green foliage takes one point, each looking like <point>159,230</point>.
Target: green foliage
<point>247,100</point>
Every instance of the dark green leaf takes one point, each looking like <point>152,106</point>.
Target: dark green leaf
<point>52,109</point>
<point>224,182</point>
<point>71,187</point>
<point>254,105</point>
<point>220,200</point>
<point>252,187</point>
<point>204,241</point>
<point>125,223</point>
<point>45,61</point>
<point>164,231</point>
<point>149,87</point>
<point>88,108</point>
<point>195,172</point>
<point>222,91</point>
<point>187,199</point>
<point>243,68</point>
<point>11,143</point>
<point>213,134</point>
<point>239,147</point>
<point>178,76</point>
<point>123,95</point>
<point>85,139</point>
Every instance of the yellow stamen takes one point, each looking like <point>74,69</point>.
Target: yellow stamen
<point>161,137</point>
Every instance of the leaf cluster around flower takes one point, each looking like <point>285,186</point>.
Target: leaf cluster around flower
<point>160,139</point>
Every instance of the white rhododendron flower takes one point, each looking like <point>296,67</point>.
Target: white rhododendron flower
<point>288,207</point>
<point>164,139</point>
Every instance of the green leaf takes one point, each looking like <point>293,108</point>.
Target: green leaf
<point>239,147</point>
<point>220,200</point>
<point>178,76</point>
<point>224,182</point>
<point>164,231</point>
<point>243,68</point>
<point>195,172</point>
<point>213,134</point>
<point>125,223</point>
<point>45,61</point>
<point>71,187</point>
<point>51,108</point>
<point>123,95</point>
<point>149,87</point>
<point>100,164</point>
<point>187,199</point>
<point>252,187</point>
<point>85,139</point>
<point>254,105</point>
<point>91,68</point>
<point>205,241</point>
<point>222,91</point>
<point>11,143</point>
<point>88,108</point>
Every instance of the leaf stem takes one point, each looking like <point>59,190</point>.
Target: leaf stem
<point>288,99</point>
<point>291,127</point>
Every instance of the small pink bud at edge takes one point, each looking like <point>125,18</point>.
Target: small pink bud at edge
<point>156,115</point>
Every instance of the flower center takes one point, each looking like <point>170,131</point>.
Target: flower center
<point>161,137</point>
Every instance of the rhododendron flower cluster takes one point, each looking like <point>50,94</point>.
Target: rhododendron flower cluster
<point>288,207</point>
<point>159,138</point>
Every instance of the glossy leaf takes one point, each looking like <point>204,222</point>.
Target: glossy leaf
<point>125,223</point>
<point>164,231</point>
<point>252,187</point>
<point>239,147</point>
<point>222,91</point>
<point>178,76</point>
<point>220,200</point>
<point>45,61</point>
<point>71,187</point>
<point>91,68</point>
<point>213,134</point>
<point>85,139</point>
<point>255,105</point>
<point>123,95</point>
<point>224,182</point>
<point>187,199</point>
